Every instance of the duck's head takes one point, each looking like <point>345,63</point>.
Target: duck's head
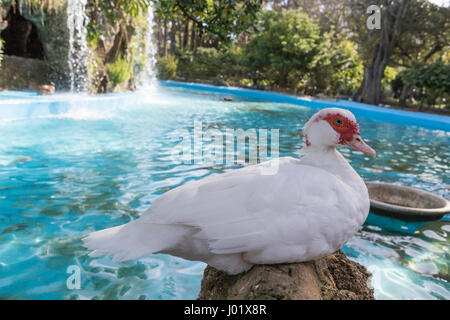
<point>331,127</point>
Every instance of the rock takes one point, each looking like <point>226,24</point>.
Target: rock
<point>49,19</point>
<point>19,73</point>
<point>17,38</point>
<point>5,5</point>
<point>103,81</point>
<point>334,277</point>
<point>132,84</point>
<point>51,25</point>
<point>46,89</point>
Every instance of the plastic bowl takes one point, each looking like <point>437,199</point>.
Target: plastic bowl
<point>406,203</point>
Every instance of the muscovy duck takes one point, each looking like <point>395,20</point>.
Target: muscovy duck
<point>307,209</point>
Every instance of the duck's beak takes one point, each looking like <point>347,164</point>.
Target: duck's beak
<point>358,143</point>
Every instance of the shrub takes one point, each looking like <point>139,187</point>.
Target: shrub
<point>425,82</point>
<point>186,67</point>
<point>338,70</point>
<point>211,63</point>
<point>119,71</point>
<point>289,42</point>
<point>389,75</point>
<point>167,67</point>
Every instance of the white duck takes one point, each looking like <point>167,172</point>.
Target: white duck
<point>308,209</point>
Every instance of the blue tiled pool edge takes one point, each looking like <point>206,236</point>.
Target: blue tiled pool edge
<point>432,121</point>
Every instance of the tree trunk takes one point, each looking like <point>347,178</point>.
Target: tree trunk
<point>422,97</point>
<point>159,38</point>
<point>199,40</point>
<point>180,37</point>
<point>403,95</point>
<point>193,36</point>
<point>165,37</point>
<point>391,29</point>
<point>173,41</point>
<point>186,34</point>
<point>374,74</point>
<point>282,81</point>
<point>116,48</point>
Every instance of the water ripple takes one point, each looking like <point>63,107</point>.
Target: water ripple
<point>75,168</point>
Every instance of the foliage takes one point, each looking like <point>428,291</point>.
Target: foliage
<point>119,71</point>
<point>222,18</point>
<point>320,47</point>
<point>426,35</point>
<point>167,67</point>
<point>186,66</point>
<point>284,50</point>
<point>226,19</point>
<point>210,63</point>
<point>425,81</point>
<point>287,52</point>
<point>338,68</point>
<point>390,74</point>
<point>116,10</point>
<point>307,46</point>
<point>41,5</point>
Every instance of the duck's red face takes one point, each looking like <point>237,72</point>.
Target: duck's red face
<point>342,125</point>
<point>348,131</point>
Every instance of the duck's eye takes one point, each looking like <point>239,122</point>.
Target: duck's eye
<point>338,121</point>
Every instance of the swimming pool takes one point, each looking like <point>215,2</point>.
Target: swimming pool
<point>73,164</point>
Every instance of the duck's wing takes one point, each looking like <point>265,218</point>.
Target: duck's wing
<point>244,210</point>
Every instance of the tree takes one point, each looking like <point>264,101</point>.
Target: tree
<point>330,14</point>
<point>426,82</point>
<point>338,69</point>
<point>428,40</point>
<point>401,22</point>
<point>225,19</point>
<point>285,48</point>
<point>378,45</point>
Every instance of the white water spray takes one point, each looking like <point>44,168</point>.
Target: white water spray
<point>150,51</point>
<point>78,56</point>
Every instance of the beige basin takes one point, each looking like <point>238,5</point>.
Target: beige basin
<point>406,203</point>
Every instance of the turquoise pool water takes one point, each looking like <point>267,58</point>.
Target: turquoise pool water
<point>74,164</point>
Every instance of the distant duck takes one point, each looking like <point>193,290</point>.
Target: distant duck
<point>306,210</point>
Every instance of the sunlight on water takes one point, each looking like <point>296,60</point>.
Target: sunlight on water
<point>73,165</point>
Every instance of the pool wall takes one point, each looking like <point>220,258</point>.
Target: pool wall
<point>23,105</point>
<point>18,105</point>
<point>432,121</point>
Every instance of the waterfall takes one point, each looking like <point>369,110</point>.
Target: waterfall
<point>150,51</point>
<point>78,55</point>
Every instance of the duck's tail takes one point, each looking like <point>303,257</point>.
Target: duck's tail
<point>130,241</point>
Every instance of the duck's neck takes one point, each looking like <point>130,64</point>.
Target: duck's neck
<point>329,159</point>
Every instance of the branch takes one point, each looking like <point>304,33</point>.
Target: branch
<point>200,23</point>
<point>400,64</point>
<point>438,46</point>
<point>404,52</point>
